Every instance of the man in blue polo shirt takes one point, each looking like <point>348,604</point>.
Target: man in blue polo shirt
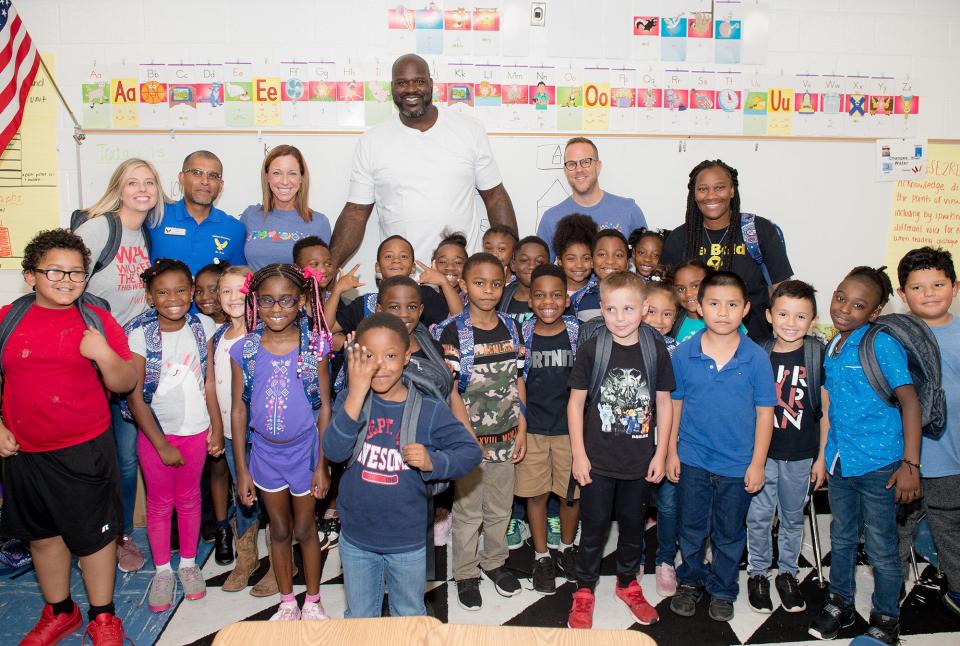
<point>193,229</point>
<point>581,165</point>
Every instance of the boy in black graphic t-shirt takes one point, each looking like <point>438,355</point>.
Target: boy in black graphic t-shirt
<point>795,458</point>
<point>612,436</point>
<point>551,340</point>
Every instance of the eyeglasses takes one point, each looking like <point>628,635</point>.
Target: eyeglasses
<point>199,173</point>
<point>586,162</point>
<point>56,275</point>
<point>286,302</point>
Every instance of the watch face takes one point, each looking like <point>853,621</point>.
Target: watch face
<point>728,100</point>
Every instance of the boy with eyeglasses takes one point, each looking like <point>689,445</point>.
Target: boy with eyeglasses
<point>581,165</point>
<point>193,229</point>
<point>60,477</point>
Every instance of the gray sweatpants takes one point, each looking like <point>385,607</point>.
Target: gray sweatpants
<point>941,498</point>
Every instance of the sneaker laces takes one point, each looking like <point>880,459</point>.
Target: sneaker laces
<point>113,631</point>
<point>582,603</point>
<point>147,591</point>
<point>792,585</point>
<point>633,595</point>
<point>553,524</point>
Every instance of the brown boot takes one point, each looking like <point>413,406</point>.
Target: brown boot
<point>248,559</point>
<point>268,586</point>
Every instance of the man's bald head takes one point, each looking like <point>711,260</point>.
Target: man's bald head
<point>411,59</point>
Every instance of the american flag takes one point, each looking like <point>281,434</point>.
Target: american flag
<point>18,65</point>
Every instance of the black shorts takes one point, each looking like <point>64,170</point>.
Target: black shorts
<point>73,493</point>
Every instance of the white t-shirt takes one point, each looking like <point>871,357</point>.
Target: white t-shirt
<point>425,182</point>
<point>179,401</point>
<point>224,378</point>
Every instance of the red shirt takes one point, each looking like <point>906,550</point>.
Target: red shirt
<point>52,396</point>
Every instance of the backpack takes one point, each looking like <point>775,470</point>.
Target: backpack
<point>433,376</point>
<point>309,368</point>
<point>813,352</point>
<point>19,308</point>
<point>748,229</point>
<point>408,429</point>
<point>114,235</point>
<point>154,359</point>
<point>573,330</point>
<point>508,292</point>
<point>369,307</point>
<point>465,336</point>
<point>649,339</point>
<point>578,295</point>
<point>923,361</point>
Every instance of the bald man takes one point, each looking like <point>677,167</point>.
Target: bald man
<point>422,170</point>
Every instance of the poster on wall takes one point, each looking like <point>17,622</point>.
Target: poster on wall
<point>901,159</point>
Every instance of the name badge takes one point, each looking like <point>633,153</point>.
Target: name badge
<point>174,231</point>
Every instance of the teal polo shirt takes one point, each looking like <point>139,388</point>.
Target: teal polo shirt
<point>218,238</point>
<point>719,416</point>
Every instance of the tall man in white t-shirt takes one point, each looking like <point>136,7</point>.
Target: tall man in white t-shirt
<point>422,170</point>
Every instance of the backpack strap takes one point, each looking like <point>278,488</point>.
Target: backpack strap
<point>408,422</point>
<point>508,292</point>
<point>871,367</point>
<point>748,229</point>
<point>578,295</point>
<point>678,322</point>
<point>112,246</point>
<point>18,309</point>
<point>813,360</point>
<point>219,334</point>
<point>600,362</point>
<point>426,344</point>
<point>251,347</point>
<point>310,365</point>
<point>572,325</point>
<point>648,349</point>
<point>465,337</point>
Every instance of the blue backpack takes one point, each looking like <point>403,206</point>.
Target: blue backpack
<point>578,295</point>
<point>465,336</point>
<point>309,364</point>
<point>154,359</point>
<point>369,307</point>
<point>573,330</point>
<point>748,229</point>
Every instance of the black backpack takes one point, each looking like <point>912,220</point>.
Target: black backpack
<point>507,296</point>
<point>433,376</point>
<point>408,429</point>
<point>813,352</point>
<point>923,361</point>
<point>114,235</point>
<point>649,338</point>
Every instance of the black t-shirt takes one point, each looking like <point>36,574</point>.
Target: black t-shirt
<point>796,429</point>
<point>618,428</point>
<point>435,310</point>
<point>550,363</point>
<point>519,310</point>
<point>774,257</point>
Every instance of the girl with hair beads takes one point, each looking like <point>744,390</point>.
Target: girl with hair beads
<point>448,260</point>
<point>288,400</point>
<point>718,234</point>
<point>646,247</point>
<point>175,407</point>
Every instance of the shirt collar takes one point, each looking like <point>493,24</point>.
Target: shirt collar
<point>696,350</point>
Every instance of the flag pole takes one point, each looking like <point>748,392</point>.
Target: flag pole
<point>77,130</point>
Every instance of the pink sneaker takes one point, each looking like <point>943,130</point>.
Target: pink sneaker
<point>666,580</point>
<point>313,612</point>
<point>129,557</point>
<point>287,612</point>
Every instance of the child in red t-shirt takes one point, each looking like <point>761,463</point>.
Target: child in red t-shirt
<point>61,479</point>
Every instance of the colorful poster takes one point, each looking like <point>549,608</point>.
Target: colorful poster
<point>779,111</point>
<point>486,32</point>
<point>898,159</point>
<point>727,41</point>
<point>429,23</point>
<point>673,38</point>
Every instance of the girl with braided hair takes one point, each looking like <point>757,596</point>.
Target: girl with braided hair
<point>717,233</point>
<point>288,403</point>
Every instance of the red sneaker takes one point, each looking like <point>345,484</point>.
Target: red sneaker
<point>581,614</point>
<point>632,595</point>
<point>52,629</point>
<point>105,630</point>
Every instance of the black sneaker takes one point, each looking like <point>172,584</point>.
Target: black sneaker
<point>223,545</point>
<point>503,580</point>
<point>684,602</point>
<point>468,594</point>
<point>834,616</point>
<point>329,531</point>
<point>721,609</point>
<point>789,591</point>
<point>544,575</point>
<point>758,594</point>
<point>884,629</point>
<point>567,563</point>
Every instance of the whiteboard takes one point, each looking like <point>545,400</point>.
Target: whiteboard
<point>833,213</point>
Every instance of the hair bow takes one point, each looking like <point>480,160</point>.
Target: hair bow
<point>309,272</point>
<point>246,283</point>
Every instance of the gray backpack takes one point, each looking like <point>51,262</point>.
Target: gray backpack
<point>923,361</point>
<point>649,338</point>
<point>813,360</point>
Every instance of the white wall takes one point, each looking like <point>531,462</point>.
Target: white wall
<point>822,193</point>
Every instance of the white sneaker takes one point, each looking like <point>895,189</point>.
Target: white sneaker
<point>287,612</point>
<point>313,612</point>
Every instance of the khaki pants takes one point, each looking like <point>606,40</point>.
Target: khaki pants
<point>482,498</point>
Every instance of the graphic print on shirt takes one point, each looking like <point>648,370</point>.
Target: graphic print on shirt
<point>494,401</point>
<point>130,262</point>
<point>277,395</point>
<point>382,461</point>
<point>183,376</point>
<point>624,405</point>
<point>791,384</point>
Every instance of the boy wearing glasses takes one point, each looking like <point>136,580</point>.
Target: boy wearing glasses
<point>61,480</point>
<point>581,165</point>
<point>193,229</point>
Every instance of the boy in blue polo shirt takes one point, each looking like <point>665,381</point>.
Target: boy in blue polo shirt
<point>193,229</point>
<point>722,425</point>
<point>872,456</point>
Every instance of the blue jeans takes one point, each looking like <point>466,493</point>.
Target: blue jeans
<point>865,497</point>
<point>246,516</point>
<point>667,523</point>
<point>785,487</point>
<point>125,436</point>
<point>714,507</point>
<point>363,576</point>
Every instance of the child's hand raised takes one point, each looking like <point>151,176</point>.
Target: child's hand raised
<point>171,456</point>
<point>360,367</point>
<point>93,345</point>
<point>430,275</point>
<point>754,478</point>
<point>347,281</point>
<point>417,457</point>
<point>907,481</point>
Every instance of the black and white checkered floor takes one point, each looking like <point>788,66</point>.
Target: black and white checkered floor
<point>924,619</point>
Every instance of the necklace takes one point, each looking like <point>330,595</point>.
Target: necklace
<point>714,248</point>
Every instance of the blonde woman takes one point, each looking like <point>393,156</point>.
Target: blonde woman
<point>132,202</point>
<point>284,217</point>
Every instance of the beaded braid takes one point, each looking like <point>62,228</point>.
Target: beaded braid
<point>694,217</point>
<point>640,233</point>
<point>877,276</point>
<point>314,337</point>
